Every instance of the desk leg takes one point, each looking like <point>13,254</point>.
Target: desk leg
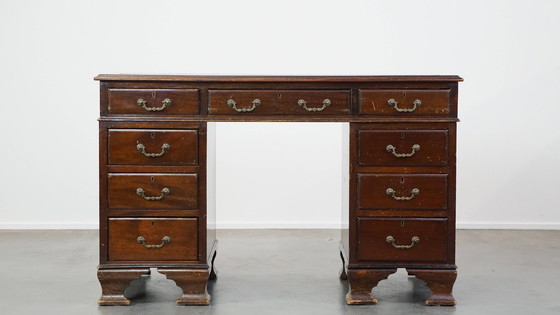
<point>440,283</point>
<point>362,281</point>
<point>193,283</point>
<point>114,282</point>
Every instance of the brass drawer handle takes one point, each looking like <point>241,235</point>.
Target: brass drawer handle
<point>231,103</point>
<point>164,148</point>
<point>141,102</point>
<point>303,103</point>
<point>415,148</point>
<point>165,240</point>
<point>391,192</point>
<point>391,240</point>
<point>164,192</point>
<point>394,104</point>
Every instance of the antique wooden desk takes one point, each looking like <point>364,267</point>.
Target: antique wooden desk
<point>157,176</point>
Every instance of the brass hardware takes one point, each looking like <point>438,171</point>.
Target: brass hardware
<point>391,240</point>
<point>391,102</point>
<point>231,103</point>
<point>391,192</point>
<point>164,148</point>
<point>141,102</point>
<point>390,148</point>
<point>165,240</point>
<point>164,192</point>
<point>303,103</point>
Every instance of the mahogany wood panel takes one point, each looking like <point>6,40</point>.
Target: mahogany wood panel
<point>124,147</point>
<point>373,191</point>
<point>402,148</point>
<point>279,102</point>
<point>124,232</point>
<point>174,191</point>
<point>373,244</point>
<point>182,101</point>
<point>433,102</point>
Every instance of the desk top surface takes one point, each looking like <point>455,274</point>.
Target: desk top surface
<point>238,78</point>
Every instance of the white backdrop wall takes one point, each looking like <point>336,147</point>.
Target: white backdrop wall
<point>280,175</point>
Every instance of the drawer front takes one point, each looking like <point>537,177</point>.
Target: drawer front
<point>153,239</point>
<point>402,191</point>
<point>153,191</point>
<point>404,102</point>
<point>153,147</point>
<point>402,147</point>
<point>402,239</point>
<point>156,102</point>
<point>271,102</point>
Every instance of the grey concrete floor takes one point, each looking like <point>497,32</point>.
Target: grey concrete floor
<point>282,272</point>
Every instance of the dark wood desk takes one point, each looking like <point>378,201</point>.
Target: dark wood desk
<point>157,176</point>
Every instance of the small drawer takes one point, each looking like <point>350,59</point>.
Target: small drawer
<point>153,191</point>
<point>402,147</point>
<point>153,239</point>
<point>404,102</point>
<point>402,239</point>
<point>284,102</point>
<point>154,101</point>
<point>153,147</point>
<point>402,191</point>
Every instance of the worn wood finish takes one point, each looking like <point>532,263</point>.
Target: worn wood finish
<point>181,189</point>
<point>181,101</point>
<point>186,167</point>
<point>182,147</point>
<point>114,282</point>
<point>181,232</point>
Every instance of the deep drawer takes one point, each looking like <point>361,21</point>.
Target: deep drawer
<point>404,102</point>
<point>153,239</point>
<point>402,240</point>
<point>153,147</point>
<point>153,191</point>
<point>275,102</point>
<point>156,102</point>
<point>402,191</point>
<point>402,147</point>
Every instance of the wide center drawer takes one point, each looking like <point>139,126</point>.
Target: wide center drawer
<point>155,102</point>
<point>402,191</point>
<point>153,191</point>
<point>402,147</point>
<point>402,239</point>
<point>153,239</point>
<point>284,102</point>
<point>153,147</point>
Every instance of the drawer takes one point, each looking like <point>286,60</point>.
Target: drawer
<point>284,102</point>
<point>153,147</point>
<point>153,191</point>
<point>404,102</point>
<point>402,147</point>
<point>402,191</point>
<point>402,239</point>
<point>153,239</point>
<point>153,101</point>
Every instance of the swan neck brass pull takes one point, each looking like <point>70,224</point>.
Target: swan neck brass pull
<point>391,102</point>
<point>391,240</point>
<point>391,192</point>
<point>141,102</point>
<point>415,148</point>
<point>303,103</point>
<point>164,192</point>
<point>231,103</point>
<point>142,241</point>
<point>164,148</point>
